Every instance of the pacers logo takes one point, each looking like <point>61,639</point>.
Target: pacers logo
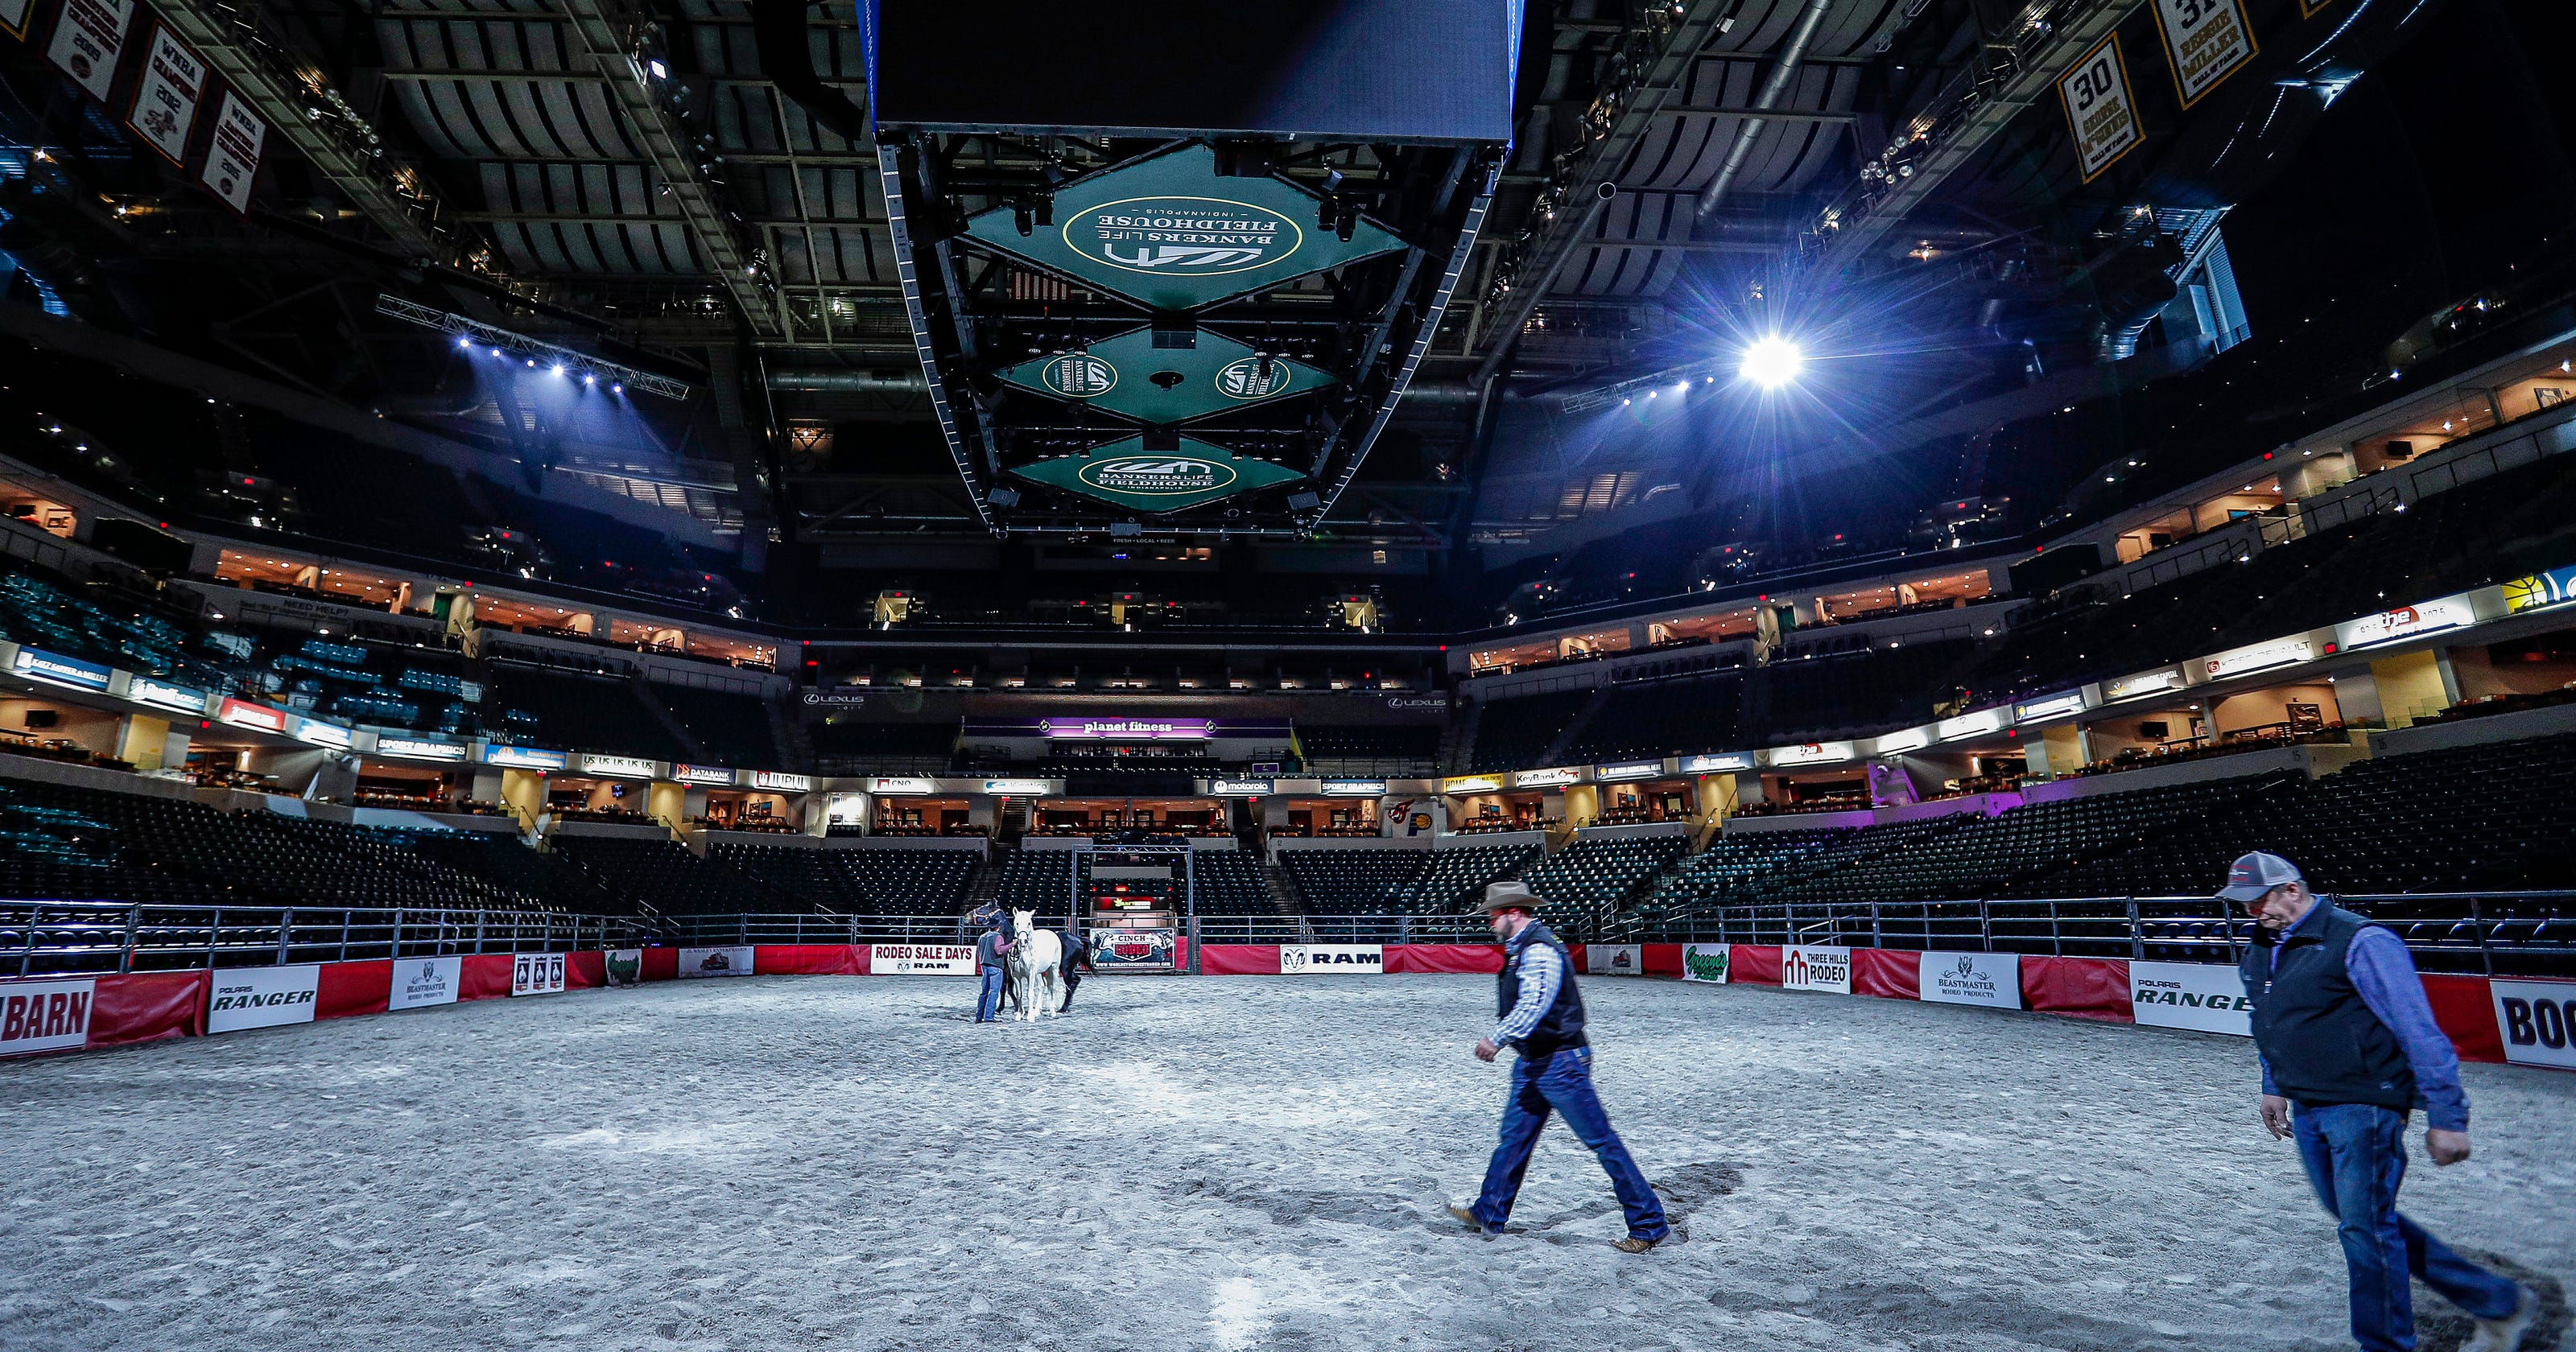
<point>1205,236</point>
<point>1244,380</point>
<point>1079,375</point>
<point>1157,476</point>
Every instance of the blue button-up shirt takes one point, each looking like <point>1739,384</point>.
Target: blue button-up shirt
<point>2384,973</point>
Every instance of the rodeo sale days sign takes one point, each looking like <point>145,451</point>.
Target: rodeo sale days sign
<point>44,1016</point>
<point>1989,979</point>
<point>1309,959</point>
<point>922,959</point>
<point>1815,969</point>
<point>2195,995</point>
<point>1706,962</point>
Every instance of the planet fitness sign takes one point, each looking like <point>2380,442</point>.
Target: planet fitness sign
<point>1125,474</point>
<point>1124,729</point>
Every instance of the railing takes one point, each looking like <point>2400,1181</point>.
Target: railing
<point>1344,929</point>
<point>2487,933</point>
<point>38,937</point>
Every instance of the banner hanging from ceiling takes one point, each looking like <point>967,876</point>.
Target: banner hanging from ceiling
<point>1122,473</point>
<point>88,40</point>
<point>2206,41</point>
<point>232,159</point>
<point>2099,110</point>
<point>1170,234</point>
<point>1139,375</point>
<point>165,103</point>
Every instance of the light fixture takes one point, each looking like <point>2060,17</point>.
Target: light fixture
<point>1772,362</point>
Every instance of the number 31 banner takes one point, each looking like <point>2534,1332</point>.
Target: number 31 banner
<point>2098,107</point>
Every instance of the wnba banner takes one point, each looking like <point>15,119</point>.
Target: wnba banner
<point>165,104</point>
<point>1816,969</point>
<point>232,160</point>
<point>88,40</point>
<point>1706,962</point>
<point>1614,960</point>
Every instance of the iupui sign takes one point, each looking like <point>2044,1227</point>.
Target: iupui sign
<point>921,959</point>
<point>1614,960</point>
<point>2196,995</point>
<point>1804,968</point>
<point>44,1016</point>
<point>536,973</point>
<point>1311,959</point>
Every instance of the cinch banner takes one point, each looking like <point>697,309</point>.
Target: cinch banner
<point>44,1016</point>
<point>921,959</point>
<point>536,973</point>
<point>1614,960</point>
<point>1135,947</point>
<point>1125,474</point>
<point>1131,376</point>
<point>1706,962</point>
<point>2538,1020</point>
<point>1168,233</point>
<point>2195,995</point>
<point>421,982</point>
<point>1989,979</point>
<point>1330,959</point>
<point>1816,969</point>
<point>262,997</point>
<point>729,961</point>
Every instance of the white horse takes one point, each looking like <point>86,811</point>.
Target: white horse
<point>1035,960</point>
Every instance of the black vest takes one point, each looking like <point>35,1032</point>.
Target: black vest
<point>2320,1039</point>
<point>1562,1025</point>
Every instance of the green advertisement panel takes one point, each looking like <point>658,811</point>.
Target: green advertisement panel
<point>1124,473</point>
<point>1171,235</point>
<point>1129,376</point>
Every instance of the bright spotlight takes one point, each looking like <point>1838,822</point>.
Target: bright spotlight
<point>1772,362</point>
<point>463,341</point>
<point>558,368</point>
<point>588,379</point>
<point>617,389</point>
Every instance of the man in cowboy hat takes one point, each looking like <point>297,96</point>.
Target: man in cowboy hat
<point>1542,1018</point>
<point>2344,1032</point>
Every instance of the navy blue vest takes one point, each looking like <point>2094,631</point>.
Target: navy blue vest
<point>2316,1033</point>
<point>1562,1025</point>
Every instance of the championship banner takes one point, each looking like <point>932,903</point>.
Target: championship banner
<point>1706,962</point>
<point>1815,969</point>
<point>2205,40</point>
<point>536,973</point>
<point>165,103</point>
<point>1331,959</point>
<point>44,1016</point>
<point>13,17</point>
<point>2099,111</point>
<point>1614,960</point>
<point>88,40</point>
<point>625,967</point>
<point>232,159</point>
<point>2196,995</point>
<point>422,982</point>
<point>1989,979</point>
<point>2537,1018</point>
<point>1136,948</point>
<point>262,997</point>
<point>729,961</point>
<point>921,959</point>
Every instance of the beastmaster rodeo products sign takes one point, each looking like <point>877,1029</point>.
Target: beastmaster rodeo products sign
<point>262,997</point>
<point>1989,979</point>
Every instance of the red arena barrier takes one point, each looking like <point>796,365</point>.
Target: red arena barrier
<point>484,976</point>
<point>2087,988</point>
<point>585,970</point>
<point>809,960</point>
<point>347,988</point>
<point>1239,959</point>
<point>1466,958</point>
<point>661,964</point>
<point>1754,965</point>
<point>1888,973</point>
<point>147,1007</point>
<point>2465,1009</point>
<point>1662,959</point>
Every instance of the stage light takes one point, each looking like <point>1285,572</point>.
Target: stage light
<point>1682,388</point>
<point>617,389</point>
<point>558,368</point>
<point>496,352</point>
<point>1772,362</point>
<point>463,341</point>
<point>588,379</point>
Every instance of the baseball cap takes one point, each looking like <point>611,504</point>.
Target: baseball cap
<point>2255,873</point>
<point>1510,894</point>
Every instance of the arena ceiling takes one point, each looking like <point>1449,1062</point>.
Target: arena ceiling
<point>626,180</point>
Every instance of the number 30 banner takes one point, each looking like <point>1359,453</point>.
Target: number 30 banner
<point>2098,107</point>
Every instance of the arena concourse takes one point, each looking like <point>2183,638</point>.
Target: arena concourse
<point>583,584</point>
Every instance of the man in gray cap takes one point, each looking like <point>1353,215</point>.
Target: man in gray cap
<point>2345,1033</point>
<point>1542,1017</point>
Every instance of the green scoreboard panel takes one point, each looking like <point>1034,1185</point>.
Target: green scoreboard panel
<point>1169,234</point>
<point>1128,375</point>
<point>1125,474</point>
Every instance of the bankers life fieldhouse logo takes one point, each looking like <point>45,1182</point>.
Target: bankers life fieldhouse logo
<point>1196,236</point>
<point>1159,476</point>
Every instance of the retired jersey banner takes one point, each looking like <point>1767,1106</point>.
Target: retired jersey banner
<point>422,982</point>
<point>232,160</point>
<point>1706,962</point>
<point>89,39</point>
<point>1989,979</point>
<point>733,960</point>
<point>1614,960</point>
<point>2099,110</point>
<point>1125,474</point>
<point>44,1016</point>
<point>1815,969</point>
<point>262,997</point>
<point>2206,40</point>
<point>921,959</point>
<point>2537,1018</point>
<point>536,973</point>
<point>1347,959</point>
<point>165,103</point>
<point>2196,995</point>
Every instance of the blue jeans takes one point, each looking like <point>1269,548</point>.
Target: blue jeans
<point>1563,1082</point>
<point>989,1003</point>
<point>2356,1158</point>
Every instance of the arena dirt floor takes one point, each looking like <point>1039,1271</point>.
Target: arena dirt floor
<point>1234,1164</point>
